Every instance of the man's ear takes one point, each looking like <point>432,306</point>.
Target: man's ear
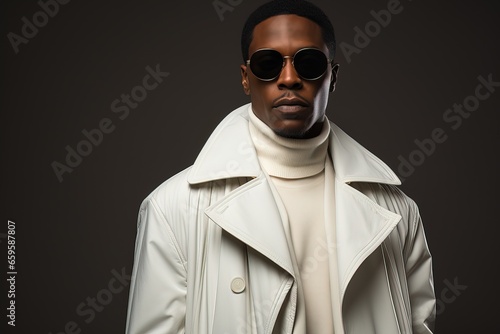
<point>244,79</point>
<point>333,80</point>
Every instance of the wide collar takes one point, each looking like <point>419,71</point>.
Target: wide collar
<point>229,153</point>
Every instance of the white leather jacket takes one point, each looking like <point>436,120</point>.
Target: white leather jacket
<point>211,254</point>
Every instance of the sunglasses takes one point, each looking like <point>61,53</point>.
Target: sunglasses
<point>267,64</point>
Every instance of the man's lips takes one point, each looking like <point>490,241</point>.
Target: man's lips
<point>291,105</point>
<point>290,108</point>
<point>290,102</point>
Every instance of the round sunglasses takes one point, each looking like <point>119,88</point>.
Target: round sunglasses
<point>267,64</point>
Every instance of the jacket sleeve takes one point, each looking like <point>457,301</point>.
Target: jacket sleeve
<point>157,300</point>
<point>419,276</point>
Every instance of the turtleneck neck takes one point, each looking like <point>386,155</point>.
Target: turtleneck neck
<point>288,158</point>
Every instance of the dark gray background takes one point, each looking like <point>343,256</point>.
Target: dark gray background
<point>71,235</point>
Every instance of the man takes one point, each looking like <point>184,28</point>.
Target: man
<point>284,224</point>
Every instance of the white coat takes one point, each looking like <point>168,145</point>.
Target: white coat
<point>211,253</point>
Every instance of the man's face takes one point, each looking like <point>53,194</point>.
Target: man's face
<point>289,105</point>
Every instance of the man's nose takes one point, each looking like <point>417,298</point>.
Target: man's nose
<point>289,78</point>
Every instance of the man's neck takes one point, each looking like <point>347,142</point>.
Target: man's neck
<point>289,157</point>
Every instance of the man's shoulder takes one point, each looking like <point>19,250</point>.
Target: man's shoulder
<point>389,196</point>
<point>170,191</point>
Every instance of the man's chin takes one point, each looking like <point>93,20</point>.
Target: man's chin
<point>299,130</point>
<point>294,133</point>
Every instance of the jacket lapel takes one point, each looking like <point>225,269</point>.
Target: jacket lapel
<point>361,226</point>
<point>250,214</point>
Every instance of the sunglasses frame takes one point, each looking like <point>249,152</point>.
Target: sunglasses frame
<point>328,61</point>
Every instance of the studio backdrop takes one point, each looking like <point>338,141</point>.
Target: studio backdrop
<point>104,100</point>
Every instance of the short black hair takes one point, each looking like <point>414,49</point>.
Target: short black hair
<point>283,7</point>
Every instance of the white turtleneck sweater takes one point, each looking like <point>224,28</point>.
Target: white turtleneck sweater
<point>297,170</point>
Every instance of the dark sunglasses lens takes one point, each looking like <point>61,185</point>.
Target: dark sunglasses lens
<point>266,64</point>
<point>310,64</point>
